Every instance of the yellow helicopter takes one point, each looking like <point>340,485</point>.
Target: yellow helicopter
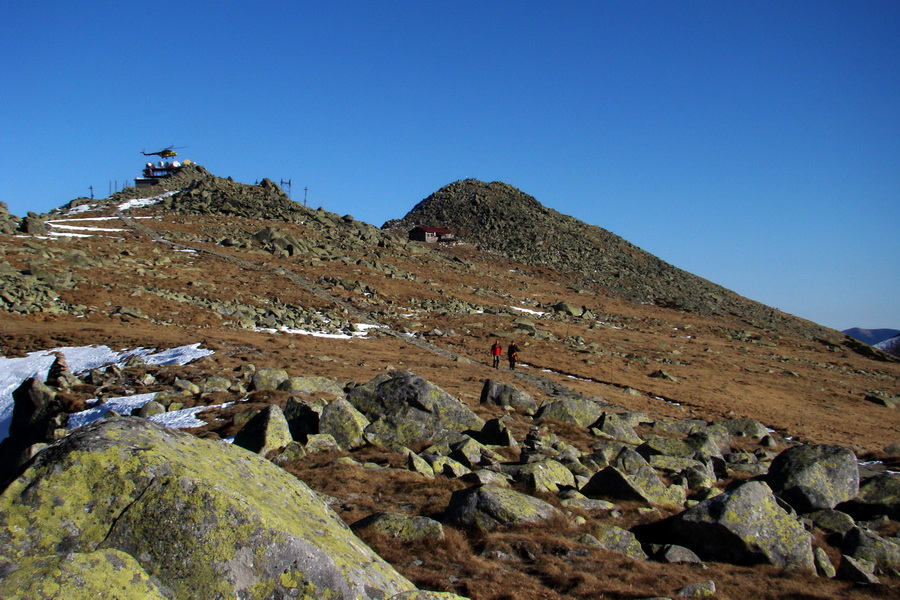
<point>164,153</point>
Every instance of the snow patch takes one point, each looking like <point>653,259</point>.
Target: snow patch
<point>13,371</point>
<point>528,310</point>
<point>142,202</point>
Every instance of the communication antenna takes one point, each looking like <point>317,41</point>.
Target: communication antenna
<point>288,183</point>
<point>305,189</point>
<point>90,187</point>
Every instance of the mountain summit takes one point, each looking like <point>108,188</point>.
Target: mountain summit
<point>500,218</point>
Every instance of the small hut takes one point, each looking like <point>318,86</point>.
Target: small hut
<point>431,234</point>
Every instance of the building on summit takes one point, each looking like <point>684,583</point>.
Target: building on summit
<point>431,234</point>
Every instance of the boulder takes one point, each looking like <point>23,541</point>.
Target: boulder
<point>879,495</point>
<point>616,539</point>
<point>617,428</point>
<point>268,430</point>
<point>34,406</point>
<point>543,476</point>
<point>883,552</point>
<point>312,385</point>
<point>486,507</point>
<point>345,424</point>
<point>495,433</point>
<point>269,379</point>
<point>79,575</point>
<point>502,394</point>
<point>743,427</point>
<point>831,521</point>
<point>404,528</point>
<point>824,567</point>
<point>856,570</point>
<point>745,525</point>
<point>630,477</point>
<point>581,411</point>
<point>404,409</point>
<point>814,477</point>
<point>205,519</point>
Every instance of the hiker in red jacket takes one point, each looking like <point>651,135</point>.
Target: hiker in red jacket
<point>496,351</point>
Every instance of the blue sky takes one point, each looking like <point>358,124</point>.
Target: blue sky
<point>756,144</point>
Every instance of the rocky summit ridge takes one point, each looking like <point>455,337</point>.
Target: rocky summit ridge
<point>498,217</point>
<point>354,440</point>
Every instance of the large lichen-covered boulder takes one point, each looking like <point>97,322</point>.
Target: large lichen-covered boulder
<point>487,507</point>
<point>206,519</point>
<point>630,477</point>
<point>312,385</point>
<point>401,527</point>
<point>404,408</point>
<point>79,576</point>
<point>345,424</point>
<point>581,411</point>
<point>543,475</point>
<point>267,430</point>
<point>269,379</point>
<point>814,477</point>
<point>502,394</point>
<point>745,526</point>
<point>616,539</point>
<point>617,428</point>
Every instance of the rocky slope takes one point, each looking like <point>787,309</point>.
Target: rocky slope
<point>499,218</point>
<point>637,450</point>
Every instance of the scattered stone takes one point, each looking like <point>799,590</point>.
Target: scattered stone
<point>703,589</point>
<point>824,568</point>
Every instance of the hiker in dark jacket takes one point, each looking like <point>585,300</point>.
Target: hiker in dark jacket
<point>512,353</point>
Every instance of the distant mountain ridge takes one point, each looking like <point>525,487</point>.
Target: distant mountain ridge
<point>871,336</point>
<point>890,345</point>
<point>500,218</point>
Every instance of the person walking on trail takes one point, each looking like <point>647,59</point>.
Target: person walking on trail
<point>496,351</point>
<point>512,353</point>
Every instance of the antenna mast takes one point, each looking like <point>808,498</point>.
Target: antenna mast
<point>288,183</point>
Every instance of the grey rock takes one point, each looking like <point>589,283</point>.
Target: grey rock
<point>487,507</point>
<point>856,570</point>
<point>404,409</point>
<point>814,477</point>
<point>502,394</point>
<point>745,526</point>
<point>345,424</point>
<point>202,518</point>
<point>883,552</point>
<point>824,568</point>
<point>267,431</point>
